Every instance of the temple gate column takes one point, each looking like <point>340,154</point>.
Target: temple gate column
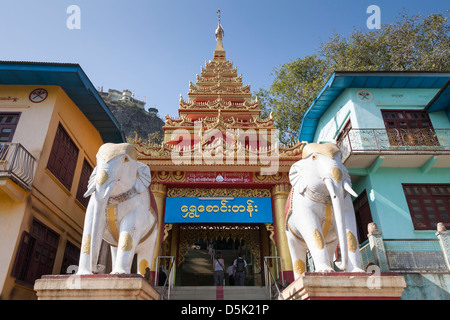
<point>159,192</point>
<point>280,194</point>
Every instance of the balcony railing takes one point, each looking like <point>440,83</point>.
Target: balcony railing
<point>17,164</point>
<point>395,140</point>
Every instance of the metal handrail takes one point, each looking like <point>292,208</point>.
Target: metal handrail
<point>168,282</point>
<point>267,271</point>
<point>395,140</point>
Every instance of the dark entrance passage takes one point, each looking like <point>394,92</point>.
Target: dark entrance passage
<point>197,257</point>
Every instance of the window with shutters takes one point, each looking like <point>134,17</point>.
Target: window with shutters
<point>344,132</point>
<point>71,258</point>
<point>36,254</point>
<point>82,185</point>
<point>428,204</point>
<point>63,157</point>
<point>409,128</point>
<point>363,215</point>
<point>8,124</point>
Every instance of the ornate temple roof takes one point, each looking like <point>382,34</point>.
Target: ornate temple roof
<point>219,118</point>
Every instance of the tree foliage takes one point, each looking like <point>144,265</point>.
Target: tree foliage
<point>413,43</point>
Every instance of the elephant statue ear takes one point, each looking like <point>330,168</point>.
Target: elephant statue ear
<point>296,177</point>
<point>143,177</point>
<point>91,183</point>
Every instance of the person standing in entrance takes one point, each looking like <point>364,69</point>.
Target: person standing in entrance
<point>218,267</point>
<point>230,273</point>
<point>240,270</point>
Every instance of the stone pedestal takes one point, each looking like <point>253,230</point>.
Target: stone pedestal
<point>345,286</point>
<point>94,287</point>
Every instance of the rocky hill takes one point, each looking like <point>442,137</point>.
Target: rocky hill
<point>133,118</point>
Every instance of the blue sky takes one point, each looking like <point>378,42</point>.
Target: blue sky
<point>154,48</point>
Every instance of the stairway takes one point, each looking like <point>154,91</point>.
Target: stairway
<point>219,293</point>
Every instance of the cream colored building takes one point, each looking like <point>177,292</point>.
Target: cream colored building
<point>52,122</point>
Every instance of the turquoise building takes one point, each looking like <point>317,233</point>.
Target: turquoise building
<point>393,129</point>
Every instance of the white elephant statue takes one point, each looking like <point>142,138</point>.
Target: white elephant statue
<point>319,211</point>
<point>121,211</point>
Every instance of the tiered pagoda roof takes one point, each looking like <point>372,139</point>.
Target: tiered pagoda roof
<point>218,101</point>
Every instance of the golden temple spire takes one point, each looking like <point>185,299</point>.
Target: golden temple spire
<point>220,51</point>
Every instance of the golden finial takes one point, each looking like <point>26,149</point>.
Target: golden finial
<point>219,31</point>
<point>220,51</point>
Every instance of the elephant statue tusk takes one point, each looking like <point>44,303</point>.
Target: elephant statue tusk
<point>330,187</point>
<point>109,189</point>
<point>349,189</point>
<point>90,191</point>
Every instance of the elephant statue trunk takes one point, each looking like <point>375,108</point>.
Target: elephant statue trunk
<point>96,211</point>
<point>337,200</point>
<point>104,185</point>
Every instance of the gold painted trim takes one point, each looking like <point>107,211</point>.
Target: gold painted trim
<point>126,242</point>
<point>318,239</point>
<point>328,215</point>
<point>143,265</point>
<point>150,232</point>
<point>327,149</point>
<point>294,234</point>
<point>102,177</point>
<point>299,267</point>
<point>336,173</point>
<point>109,151</point>
<point>217,192</point>
<point>352,242</point>
<point>112,223</point>
<point>86,244</point>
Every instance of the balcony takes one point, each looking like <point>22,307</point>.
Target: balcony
<point>361,147</point>
<point>17,164</point>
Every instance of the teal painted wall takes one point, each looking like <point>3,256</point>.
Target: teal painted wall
<point>368,114</point>
<point>387,199</point>
<point>388,202</point>
<point>426,286</point>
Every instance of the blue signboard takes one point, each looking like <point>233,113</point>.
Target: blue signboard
<point>218,210</point>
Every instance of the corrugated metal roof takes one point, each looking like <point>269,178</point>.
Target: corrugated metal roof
<point>72,79</point>
<point>341,80</point>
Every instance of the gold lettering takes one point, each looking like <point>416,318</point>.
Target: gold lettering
<point>193,210</point>
<point>250,207</point>
<point>223,208</point>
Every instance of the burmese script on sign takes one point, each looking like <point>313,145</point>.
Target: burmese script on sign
<point>226,209</point>
<point>194,211</point>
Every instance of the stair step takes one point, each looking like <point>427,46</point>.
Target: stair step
<point>219,293</point>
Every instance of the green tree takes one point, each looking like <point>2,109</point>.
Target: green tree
<point>414,43</point>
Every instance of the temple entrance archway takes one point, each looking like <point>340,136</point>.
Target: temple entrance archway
<point>199,243</point>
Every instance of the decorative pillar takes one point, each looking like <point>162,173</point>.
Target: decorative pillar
<point>444,240</point>
<point>280,194</point>
<point>159,192</point>
<point>377,247</point>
